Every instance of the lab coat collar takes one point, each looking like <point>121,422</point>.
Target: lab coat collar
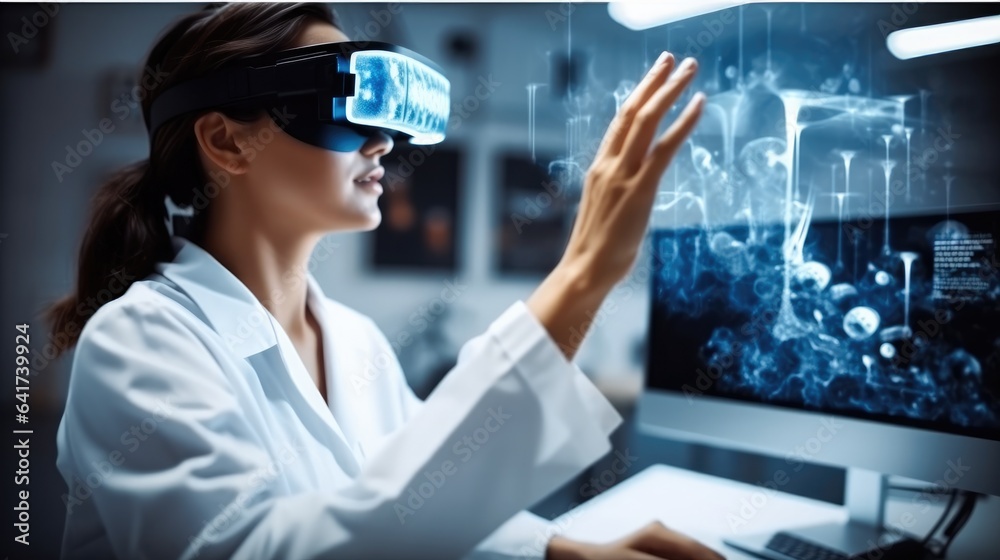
<point>230,307</point>
<point>248,328</point>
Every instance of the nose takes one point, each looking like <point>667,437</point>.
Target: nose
<point>379,144</point>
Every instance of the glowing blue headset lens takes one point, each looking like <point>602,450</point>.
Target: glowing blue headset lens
<point>399,93</point>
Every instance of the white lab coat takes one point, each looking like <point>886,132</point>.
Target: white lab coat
<point>193,430</point>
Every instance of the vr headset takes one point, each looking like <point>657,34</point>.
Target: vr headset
<point>337,95</point>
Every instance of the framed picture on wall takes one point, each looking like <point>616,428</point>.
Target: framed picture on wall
<point>532,224</point>
<point>28,29</point>
<point>419,208</point>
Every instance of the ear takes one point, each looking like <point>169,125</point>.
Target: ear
<point>222,141</point>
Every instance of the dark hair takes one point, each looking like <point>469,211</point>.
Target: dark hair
<point>127,235</point>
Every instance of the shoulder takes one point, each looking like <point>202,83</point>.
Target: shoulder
<point>142,301</point>
<point>144,346</point>
<point>149,316</point>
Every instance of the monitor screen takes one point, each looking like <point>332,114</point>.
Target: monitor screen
<point>827,240</point>
<point>904,329</point>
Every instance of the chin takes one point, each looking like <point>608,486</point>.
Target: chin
<point>365,222</point>
<point>373,222</point>
<point>357,219</point>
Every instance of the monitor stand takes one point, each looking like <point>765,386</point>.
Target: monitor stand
<point>863,536</point>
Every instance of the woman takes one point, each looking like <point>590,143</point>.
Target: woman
<point>223,407</point>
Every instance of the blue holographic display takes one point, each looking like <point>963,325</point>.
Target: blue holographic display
<point>827,239</point>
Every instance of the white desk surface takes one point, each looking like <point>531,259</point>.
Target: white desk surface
<point>710,508</point>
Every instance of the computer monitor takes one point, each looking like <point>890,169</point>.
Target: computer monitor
<point>826,260</point>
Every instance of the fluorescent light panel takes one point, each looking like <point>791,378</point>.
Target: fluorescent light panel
<point>639,15</point>
<point>944,37</point>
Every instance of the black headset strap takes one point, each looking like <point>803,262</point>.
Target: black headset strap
<point>242,84</point>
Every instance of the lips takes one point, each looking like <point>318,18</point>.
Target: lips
<point>371,177</point>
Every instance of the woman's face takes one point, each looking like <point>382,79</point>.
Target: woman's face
<point>300,188</point>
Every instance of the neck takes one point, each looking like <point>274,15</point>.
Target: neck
<point>273,267</point>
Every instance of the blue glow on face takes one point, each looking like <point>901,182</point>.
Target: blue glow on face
<point>399,93</point>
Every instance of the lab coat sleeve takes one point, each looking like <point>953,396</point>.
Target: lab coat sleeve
<point>525,535</point>
<point>501,431</point>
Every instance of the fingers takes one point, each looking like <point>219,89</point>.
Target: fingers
<point>618,129</point>
<point>640,134</point>
<point>668,143</point>
<point>662,542</point>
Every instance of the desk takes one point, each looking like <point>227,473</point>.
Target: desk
<point>710,508</point>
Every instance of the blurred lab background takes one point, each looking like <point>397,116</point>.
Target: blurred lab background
<point>469,226</point>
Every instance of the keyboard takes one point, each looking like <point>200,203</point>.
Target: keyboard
<point>794,547</point>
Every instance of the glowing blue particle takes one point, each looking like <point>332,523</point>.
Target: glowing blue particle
<point>765,289</point>
<point>813,275</point>
<point>961,365</point>
<point>887,350</point>
<point>725,245</point>
<point>702,159</point>
<point>861,322</point>
<point>841,291</point>
<point>759,161</point>
<point>882,278</point>
<point>898,332</point>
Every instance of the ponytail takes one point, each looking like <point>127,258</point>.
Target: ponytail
<point>126,237</point>
<point>127,233</point>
